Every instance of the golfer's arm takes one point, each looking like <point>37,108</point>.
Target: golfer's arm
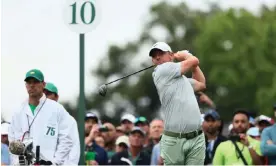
<point>188,64</point>
<point>198,76</point>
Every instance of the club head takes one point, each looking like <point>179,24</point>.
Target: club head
<point>103,90</point>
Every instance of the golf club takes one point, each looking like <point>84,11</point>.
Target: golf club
<point>103,88</point>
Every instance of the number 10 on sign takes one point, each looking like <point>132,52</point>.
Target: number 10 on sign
<point>84,6</point>
<point>82,16</point>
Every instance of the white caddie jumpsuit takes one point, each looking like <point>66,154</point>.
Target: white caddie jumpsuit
<point>48,128</point>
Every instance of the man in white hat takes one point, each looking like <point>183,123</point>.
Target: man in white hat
<point>127,122</point>
<point>183,142</point>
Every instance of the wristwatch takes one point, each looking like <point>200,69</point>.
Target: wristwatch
<point>250,146</point>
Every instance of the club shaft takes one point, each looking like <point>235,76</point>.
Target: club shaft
<point>129,75</point>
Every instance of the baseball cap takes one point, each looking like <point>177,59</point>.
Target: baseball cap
<point>160,46</point>
<point>91,115</point>
<point>137,129</point>
<point>122,139</point>
<point>264,118</point>
<point>35,73</point>
<point>141,119</point>
<point>253,131</point>
<point>213,114</point>
<point>128,117</point>
<point>5,128</point>
<point>51,87</point>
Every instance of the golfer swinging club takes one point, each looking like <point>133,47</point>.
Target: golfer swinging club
<point>182,142</point>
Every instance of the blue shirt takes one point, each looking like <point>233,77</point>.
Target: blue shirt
<point>155,154</point>
<point>269,151</point>
<point>5,156</point>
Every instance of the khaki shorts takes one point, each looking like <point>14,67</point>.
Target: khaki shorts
<point>180,151</point>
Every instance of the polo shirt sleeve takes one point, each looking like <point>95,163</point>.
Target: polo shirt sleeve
<point>167,71</point>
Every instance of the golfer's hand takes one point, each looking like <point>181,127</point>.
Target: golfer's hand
<point>244,139</point>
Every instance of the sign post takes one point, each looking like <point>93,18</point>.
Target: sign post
<point>81,16</point>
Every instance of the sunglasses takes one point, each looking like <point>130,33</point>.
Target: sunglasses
<point>141,119</point>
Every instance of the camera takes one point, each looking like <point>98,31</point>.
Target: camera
<point>235,137</point>
<point>103,129</point>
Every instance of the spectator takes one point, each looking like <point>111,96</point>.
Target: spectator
<point>212,125</point>
<point>254,133</point>
<point>5,156</point>
<point>156,130</point>
<point>127,122</point>
<point>90,120</point>
<point>122,143</point>
<point>143,123</point>
<point>155,155</point>
<point>119,131</point>
<point>91,132</point>
<point>100,141</point>
<point>268,143</point>
<point>109,135</point>
<point>135,155</point>
<point>263,122</point>
<point>251,122</point>
<point>227,154</point>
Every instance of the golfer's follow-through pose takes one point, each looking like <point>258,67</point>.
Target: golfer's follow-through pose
<point>182,142</point>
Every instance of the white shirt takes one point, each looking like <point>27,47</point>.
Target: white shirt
<point>74,155</point>
<point>50,129</point>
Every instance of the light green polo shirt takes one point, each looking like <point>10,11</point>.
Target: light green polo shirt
<point>226,153</point>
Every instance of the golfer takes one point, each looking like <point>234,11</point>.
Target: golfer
<point>182,142</point>
<point>42,121</point>
<point>51,92</point>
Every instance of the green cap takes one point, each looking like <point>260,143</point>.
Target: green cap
<point>35,73</point>
<point>51,87</point>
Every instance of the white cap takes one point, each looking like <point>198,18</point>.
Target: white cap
<point>140,130</point>
<point>5,128</point>
<point>253,131</point>
<point>128,117</point>
<point>122,139</point>
<point>263,117</point>
<point>160,46</point>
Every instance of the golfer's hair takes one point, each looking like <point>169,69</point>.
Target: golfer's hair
<point>241,111</point>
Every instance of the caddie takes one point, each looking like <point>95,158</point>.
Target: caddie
<point>43,121</point>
